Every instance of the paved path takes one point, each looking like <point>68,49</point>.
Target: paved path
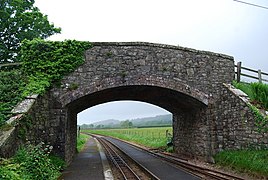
<point>86,165</point>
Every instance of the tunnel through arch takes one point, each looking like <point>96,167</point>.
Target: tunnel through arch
<point>189,120</point>
<point>114,112</point>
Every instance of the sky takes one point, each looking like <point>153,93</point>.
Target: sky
<point>120,110</point>
<point>222,26</point>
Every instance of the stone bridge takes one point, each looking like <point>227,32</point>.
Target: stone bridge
<point>207,115</point>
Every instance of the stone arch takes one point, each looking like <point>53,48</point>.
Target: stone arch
<point>66,96</point>
<point>178,98</point>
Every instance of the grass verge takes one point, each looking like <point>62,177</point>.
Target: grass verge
<point>81,141</point>
<point>246,161</point>
<point>149,137</point>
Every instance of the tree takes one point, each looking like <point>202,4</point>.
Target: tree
<point>126,124</point>
<point>20,20</point>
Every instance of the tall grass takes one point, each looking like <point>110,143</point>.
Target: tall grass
<point>149,137</point>
<point>81,141</point>
<point>249,161</point>
<point>260,93</point>
<point>257,92</point>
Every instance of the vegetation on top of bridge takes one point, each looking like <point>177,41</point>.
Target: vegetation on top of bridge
<point>258,94</point>
<point>43,63</point>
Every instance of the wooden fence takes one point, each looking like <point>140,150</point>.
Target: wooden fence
<point>258,73</point>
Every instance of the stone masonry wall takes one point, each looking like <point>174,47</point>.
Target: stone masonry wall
<point>39,119</point>
<point>11,139</point>
<point>188,72</point>
<point>191,134</point>
<point>118,64</point>
<point>235,123</point>
<point>48,124</point>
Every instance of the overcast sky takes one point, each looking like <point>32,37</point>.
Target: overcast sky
<point>223,26</point>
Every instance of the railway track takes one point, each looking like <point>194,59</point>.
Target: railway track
<point>202,172</point>
<point>118,158</point>
<point>198,171</point>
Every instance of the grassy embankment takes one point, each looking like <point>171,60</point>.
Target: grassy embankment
<point>149,137</point>
<point>246,161</point>
<point>250,161</point>
<point>81,141</point>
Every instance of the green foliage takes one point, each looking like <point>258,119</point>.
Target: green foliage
<point>10,170</point>
<point>36,163</point>
<point>251,161</point>
<point>260,120</point>
<point>58,162</point>
<point>150,137</point>
<point>245,87</point>
<point>126,124</point>
<point>11,83</point>
<point>20,20</point>
<point>24,124</point>
<point>32,163</point>
<point>258,94</point>
<point>81,140</point>
<point>45,62</point>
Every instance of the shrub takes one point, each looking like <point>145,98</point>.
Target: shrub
<point>10,170</point>
<point>32,163</point>
<point>58,162</point>
<point>36,163</point>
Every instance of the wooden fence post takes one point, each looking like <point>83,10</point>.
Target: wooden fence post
<point>259,76</point>
<point>238,72</point>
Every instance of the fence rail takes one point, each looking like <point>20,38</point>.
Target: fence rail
<point>258,76</point>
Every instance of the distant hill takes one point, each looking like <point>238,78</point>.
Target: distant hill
<point>160,120</point>
<point>153,121</point>
<point>108,122</point>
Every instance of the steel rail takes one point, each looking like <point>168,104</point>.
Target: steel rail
<point>119,162</point>
<point>187,166</point>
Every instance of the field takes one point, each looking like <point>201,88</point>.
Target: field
<point>149,137</point>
